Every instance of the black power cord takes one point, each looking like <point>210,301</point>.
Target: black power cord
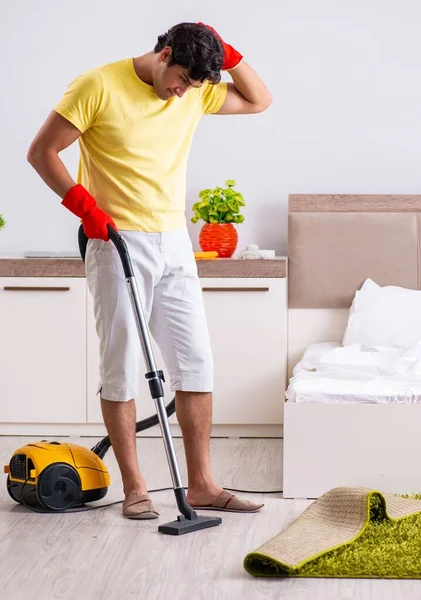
<point>84,508</point>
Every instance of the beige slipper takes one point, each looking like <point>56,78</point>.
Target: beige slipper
<point>230,503</point>
<point>139,506</point>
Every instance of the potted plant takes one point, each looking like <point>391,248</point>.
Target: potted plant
<point>2,222</point>
<point>220,209</point>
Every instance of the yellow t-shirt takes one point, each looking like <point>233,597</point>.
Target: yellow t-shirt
<point>134,147</point>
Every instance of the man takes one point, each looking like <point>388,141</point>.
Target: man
<point>134,120</point>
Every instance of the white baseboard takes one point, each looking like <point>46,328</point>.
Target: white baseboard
<point>98,430</point>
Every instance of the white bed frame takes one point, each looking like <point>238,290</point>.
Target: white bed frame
<point>368,445</point>
<point>331,445</point>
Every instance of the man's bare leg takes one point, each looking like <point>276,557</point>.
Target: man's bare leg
<point>120,421</point>
<point>194,413</point>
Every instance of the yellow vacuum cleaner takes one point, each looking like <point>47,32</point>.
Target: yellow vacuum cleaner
<point>57,476</point>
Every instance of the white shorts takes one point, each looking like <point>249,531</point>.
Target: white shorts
<point>171,297</point>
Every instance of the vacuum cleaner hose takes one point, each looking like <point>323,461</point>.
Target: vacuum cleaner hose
<point>101,447</point>
<point>104,445</point>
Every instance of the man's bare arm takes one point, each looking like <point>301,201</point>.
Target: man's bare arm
<point>55,135</point>
<point>247,94</point>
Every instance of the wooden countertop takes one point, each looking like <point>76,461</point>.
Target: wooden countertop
<point>73,267</point>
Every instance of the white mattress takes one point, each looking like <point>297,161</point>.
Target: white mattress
<point>334,374</point>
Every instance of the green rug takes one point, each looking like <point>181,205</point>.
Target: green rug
<point>348,532</point>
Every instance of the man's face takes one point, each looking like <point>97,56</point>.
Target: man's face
<point>171,81</point>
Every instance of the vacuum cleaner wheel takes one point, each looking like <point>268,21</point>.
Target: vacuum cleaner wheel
<point>59,487</point>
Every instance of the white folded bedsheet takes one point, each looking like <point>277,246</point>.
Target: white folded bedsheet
<point>334,374</point>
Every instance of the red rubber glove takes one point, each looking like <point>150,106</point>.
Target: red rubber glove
<point>94,220</point>
<point>231,56</point>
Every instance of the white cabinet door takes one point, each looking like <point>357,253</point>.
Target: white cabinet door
<point>247,325</point>
<point>247,321</point>
<point>145,406</point>
<point>42,350</point>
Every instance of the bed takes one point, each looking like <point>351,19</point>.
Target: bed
<point>343,424</point>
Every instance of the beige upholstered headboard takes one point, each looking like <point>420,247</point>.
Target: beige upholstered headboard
<point>335,242</point>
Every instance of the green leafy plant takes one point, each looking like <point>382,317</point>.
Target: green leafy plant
<point>2,221</point>
<point>221,205</point>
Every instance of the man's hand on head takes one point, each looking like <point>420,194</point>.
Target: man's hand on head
<point>231,56</point>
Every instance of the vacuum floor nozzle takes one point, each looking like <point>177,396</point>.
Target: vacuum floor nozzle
<point>183,525</point>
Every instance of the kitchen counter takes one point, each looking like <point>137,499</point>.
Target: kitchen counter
<point>74,267</point>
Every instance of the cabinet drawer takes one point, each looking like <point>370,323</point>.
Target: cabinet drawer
<point>42,350</point>
<point>247,326</point>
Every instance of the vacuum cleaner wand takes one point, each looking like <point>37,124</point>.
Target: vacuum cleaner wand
<point>102,447</point>
<point>188,521</point>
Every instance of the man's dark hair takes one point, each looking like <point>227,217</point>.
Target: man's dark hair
<point>196,48</point>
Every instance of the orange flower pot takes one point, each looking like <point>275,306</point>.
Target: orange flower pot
<point>222,237</point>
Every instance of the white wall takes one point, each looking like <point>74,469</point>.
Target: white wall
<point>345,75</point>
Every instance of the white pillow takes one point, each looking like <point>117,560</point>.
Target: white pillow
<point>384,316</point>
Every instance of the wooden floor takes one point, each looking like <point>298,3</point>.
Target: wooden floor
<point>101,555</point>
